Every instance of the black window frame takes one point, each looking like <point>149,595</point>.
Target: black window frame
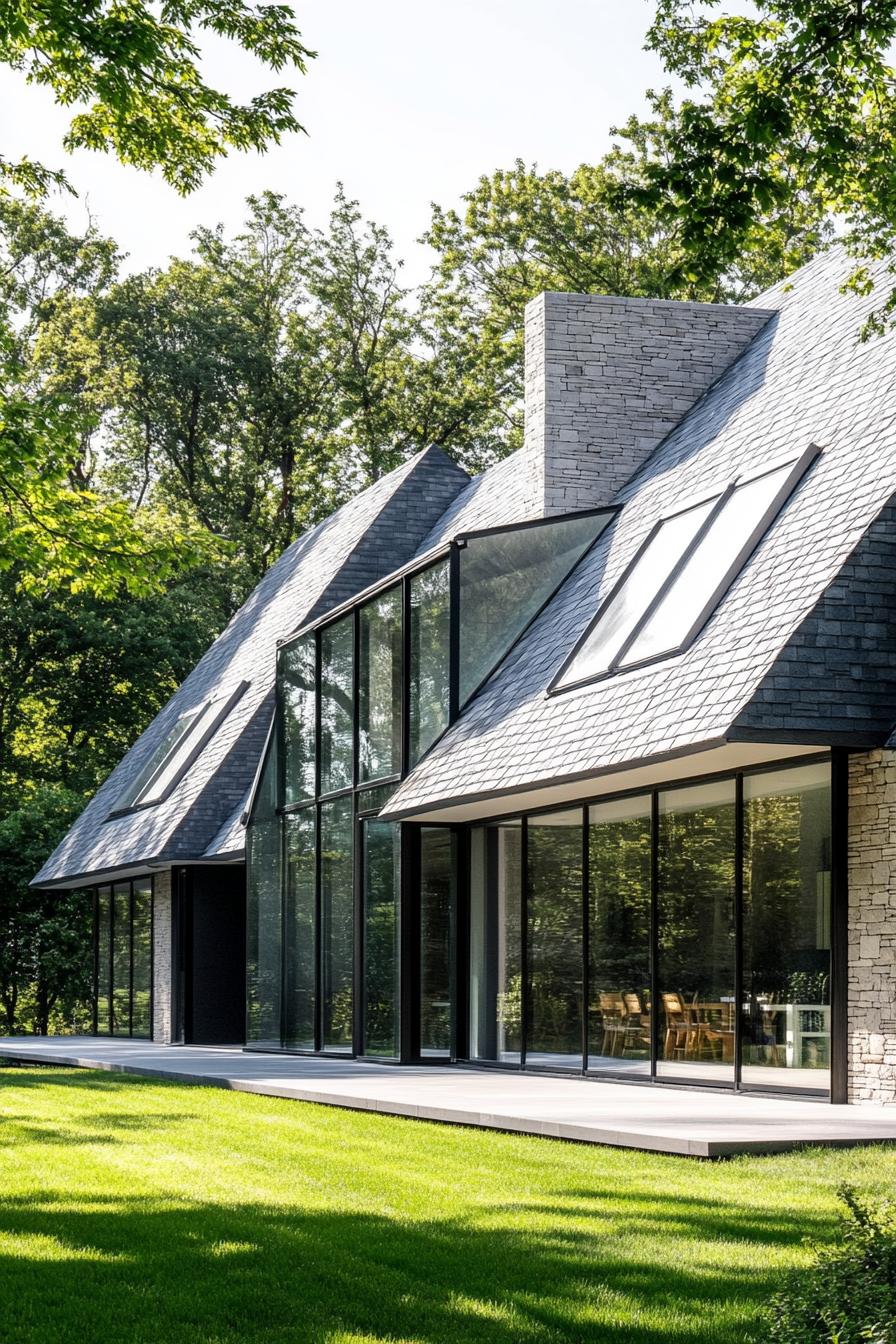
<point>146,879</point>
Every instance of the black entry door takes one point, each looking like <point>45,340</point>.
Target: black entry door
<point>215,956</point>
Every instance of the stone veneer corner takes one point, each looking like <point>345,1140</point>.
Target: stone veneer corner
<point>872,927</point>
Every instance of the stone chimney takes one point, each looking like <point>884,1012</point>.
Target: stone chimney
<point>608,378</point>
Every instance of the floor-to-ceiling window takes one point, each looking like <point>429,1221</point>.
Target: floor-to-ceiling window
<point>683,934</point>
<point>437,905</point>
<point>381,884</point>
<point>337,923</point>
<point>555,933</point>
<point>619,904</point>
<point>496,947</point>
<point>695,933</point>
<point>123,958</point>
<point>300,924</point>
<point>786,1010</point>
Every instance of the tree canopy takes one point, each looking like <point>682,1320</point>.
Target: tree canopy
<point>131,72</point>
<point>795,92</point>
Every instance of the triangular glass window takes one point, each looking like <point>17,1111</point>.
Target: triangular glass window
<point>680,574</point>
<point>506,575</point>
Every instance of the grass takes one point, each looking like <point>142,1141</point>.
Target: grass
<point>134,1210</point>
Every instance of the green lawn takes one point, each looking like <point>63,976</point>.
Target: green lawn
<point>134,1211</point>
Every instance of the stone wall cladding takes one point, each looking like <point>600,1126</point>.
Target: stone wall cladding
<point>608,378</point>
<point>872,927</point>
<point>161,957</point>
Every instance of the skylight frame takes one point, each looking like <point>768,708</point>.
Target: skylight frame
<point>799,465</point>
<point>194,742</point>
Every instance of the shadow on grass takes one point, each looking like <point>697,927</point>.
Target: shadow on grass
<point>154,1270</point>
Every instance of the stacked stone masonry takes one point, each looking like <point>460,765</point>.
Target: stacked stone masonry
<point>607,379</point>
<point>872,927</point>
<point>161,958</point>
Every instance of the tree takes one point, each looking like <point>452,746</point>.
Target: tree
<point>798,92</point>
<point>45,963</point>
<point>601,229</point>
<point>133,69</point>
<point>58,521</point>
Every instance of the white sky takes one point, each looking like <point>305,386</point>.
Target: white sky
<point>408,102</point>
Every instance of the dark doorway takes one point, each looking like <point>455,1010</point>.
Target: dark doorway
<point>215,955</point>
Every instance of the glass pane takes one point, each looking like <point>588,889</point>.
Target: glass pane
<point>708,567</point>
<point>556,998</point>
<point>785,1032</point>
<point>104,951</point>
<point>436,915</point>
<point>337,655</point>
<point>496,971</point>
<point>619,936</point>
<point>142,990</point>
<point>642,582</point>
<point>382,876</point>
<point>337,923</point>
<point>297,708</point>
<point>300,930</point>
<point>695,933</point>
<point>380,686</point>
<point>430,623</point>
<point>375,799</point>
<point>505,577</point>
<point>264,878</point>
<point>121,959</point>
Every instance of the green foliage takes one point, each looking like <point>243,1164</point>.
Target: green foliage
<point>133,71</point>
<point>849,1295</point>
<point>603,229</point>
<point>45,961</point>
<point>60,524</point>
<point>794,104</point>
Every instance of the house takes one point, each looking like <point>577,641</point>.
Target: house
<point>585,764</point>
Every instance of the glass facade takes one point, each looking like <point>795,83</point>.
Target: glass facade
<point>123,959</point>
<point>335,963</point>
<point>679,935</point>
<point>619,906</point>
<point>380,686</point>
<point>682,935</point>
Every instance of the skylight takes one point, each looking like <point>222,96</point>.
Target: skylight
<point>681,572</point>
<point>176,752</point>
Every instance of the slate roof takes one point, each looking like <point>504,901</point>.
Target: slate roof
<point>803,646</point>
<point>364,540</point>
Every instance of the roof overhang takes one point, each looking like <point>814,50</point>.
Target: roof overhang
<point>100,876</point>
<point>692,762</point>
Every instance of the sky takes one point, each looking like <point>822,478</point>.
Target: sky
<point>407,102</point>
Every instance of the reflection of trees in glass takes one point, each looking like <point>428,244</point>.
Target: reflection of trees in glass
<point>504,579</point>
<point>121,958</point>
<point>382,867</point>
<point>337,650</point>
<point>555,937</point>
<point>142,952</point>
<point>379,687</point>
<point>436,903</point>
<point>300,941</point>
<point>337,918</point>
<point>696,898</point>
<point>297,717</point>
<point>786,911</point>
<point>103,981</point>
<point>429,658</point>
<point>263,925</point>
<point>619,933</point>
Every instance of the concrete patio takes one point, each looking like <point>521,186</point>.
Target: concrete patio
<point>657,1119</point>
